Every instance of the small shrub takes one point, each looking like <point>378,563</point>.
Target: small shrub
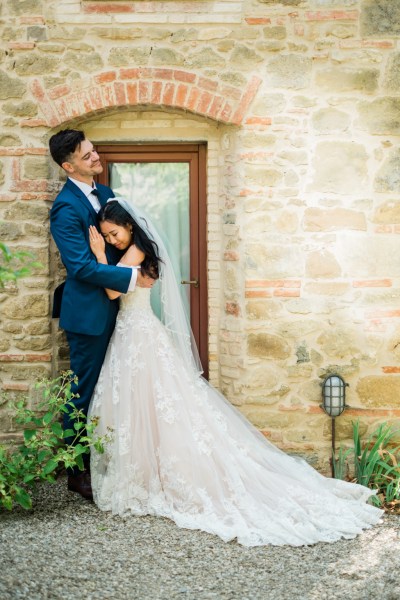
<point>43,452</point>
<point>376,465</point>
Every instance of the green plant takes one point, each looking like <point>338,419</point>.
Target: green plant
<point>340,465</point>
<point>14,265</point>
<point>43,452</point>
<point>376,464</point>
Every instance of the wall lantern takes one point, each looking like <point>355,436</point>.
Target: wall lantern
<point>333,403</point>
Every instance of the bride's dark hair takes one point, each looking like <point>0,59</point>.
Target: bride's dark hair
<point>113,212</point>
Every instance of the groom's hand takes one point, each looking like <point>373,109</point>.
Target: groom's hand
<point>144,281</point>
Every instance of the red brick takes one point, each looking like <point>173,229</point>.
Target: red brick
<point>207,84</point>
<point>226,112</point>
<point>230,92</point>
<point>129,73</point>
<point>144,92</point>
<point>204,102</point>
<point>215,106</point>
<point>84,101</point>
<point>247,98</point>
<point>21,45</point>
<point>107,92</point>
<point>156,90</point>
<point>38,357</point>
<point>15,387</point>
<point>168,94</point>
<point>231,255</point>
<point>37,151</point>
<point>58,91</point>
<point>166,74</point>
<point>6,197</point>
<point>11,357</point>
<point>193,98</point>
<point>332,15</point>
<point>232,308</point>
<point>263,121</point>
<point>32,20</point>
<point>101,7</point>
<point>16,169</point>
<point>7,151</point>
<point>383,229</point>
<point>286,293</point>
<point>37,89</point>
<point>391,369</point>
<point>132,92</point>
<point>257,21</point>
<point>181,93</point>
<point>95,98</point>
<point>119,89</point>
<point>106,77</point>
<point>360,283</point>
<point>184,76</point>
<point>258,294</point>
<point>380,314</point>
<point>29,186</point>
<point>274,283</point>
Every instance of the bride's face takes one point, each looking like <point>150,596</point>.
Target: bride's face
<point>119,236</point>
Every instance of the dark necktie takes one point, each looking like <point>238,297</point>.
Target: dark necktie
<point>95,192</point>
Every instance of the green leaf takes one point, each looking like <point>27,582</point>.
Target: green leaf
<point>48,417</point>
<point>69,433</point>
<point>29,434</point>
<point>23,499</point>
<point>43,454</point>
<point>49,467</point>
<point>57,429</point>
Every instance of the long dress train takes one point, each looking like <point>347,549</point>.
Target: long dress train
<point>180,450</point>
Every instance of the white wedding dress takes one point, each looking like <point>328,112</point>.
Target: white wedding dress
<point>180,450</point>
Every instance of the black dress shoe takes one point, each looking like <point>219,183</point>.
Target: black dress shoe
<point>81,484</point>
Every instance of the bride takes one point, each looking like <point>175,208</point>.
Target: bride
<point>178,448</point>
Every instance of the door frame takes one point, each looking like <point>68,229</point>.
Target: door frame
<point>196,156</point>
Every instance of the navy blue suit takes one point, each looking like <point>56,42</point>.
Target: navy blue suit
<point>85,311</point>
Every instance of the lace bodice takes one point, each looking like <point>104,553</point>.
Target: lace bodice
<point>139,298</point>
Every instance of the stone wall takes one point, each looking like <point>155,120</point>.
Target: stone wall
<point>299,104</point>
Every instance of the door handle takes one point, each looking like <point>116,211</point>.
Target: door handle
<point>194,282</point>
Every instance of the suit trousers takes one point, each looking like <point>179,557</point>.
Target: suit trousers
<point>87,354</point>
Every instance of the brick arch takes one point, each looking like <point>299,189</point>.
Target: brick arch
<point>150,87</point>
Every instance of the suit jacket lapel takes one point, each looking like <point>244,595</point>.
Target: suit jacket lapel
<point>81,197</point>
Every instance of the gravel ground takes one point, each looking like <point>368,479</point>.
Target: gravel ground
<point>66,549</point>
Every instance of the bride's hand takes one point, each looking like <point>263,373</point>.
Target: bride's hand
<point>97,243</point>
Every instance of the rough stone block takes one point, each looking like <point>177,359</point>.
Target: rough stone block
<point>387,212</point>
<point>33,64</point>
<point>27,306</point>
<point>265,345</point>
<point>322,264</point>
<point>318,219</point>
<point>347,79</point>
<point>340,167</point>
<point>379,391</point>
<point>127,56</point>
<point>392,74</point>
<point>289,71</point>
<point>273,261</point>
<point>388,176</point>
<point>330,120</point>
<point>10,87</point>
<point>380,18</point>
<point>381,116</point>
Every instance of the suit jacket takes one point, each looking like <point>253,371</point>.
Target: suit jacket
<point>81,302</point>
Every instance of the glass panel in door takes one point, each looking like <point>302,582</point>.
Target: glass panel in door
<point>161,190</point>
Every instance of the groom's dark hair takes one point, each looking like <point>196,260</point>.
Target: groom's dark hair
<point>64,143</point>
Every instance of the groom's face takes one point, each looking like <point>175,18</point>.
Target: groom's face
<point>84,163</point>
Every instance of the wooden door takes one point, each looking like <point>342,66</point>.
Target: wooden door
<point>168,181</point>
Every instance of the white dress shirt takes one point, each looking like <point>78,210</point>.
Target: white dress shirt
<point>95,202</point>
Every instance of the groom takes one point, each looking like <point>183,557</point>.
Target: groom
<point>85,312</point>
